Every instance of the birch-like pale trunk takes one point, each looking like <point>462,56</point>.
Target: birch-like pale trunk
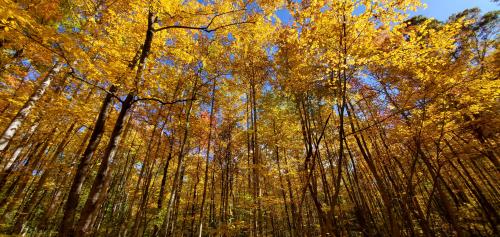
<point>21,115</point>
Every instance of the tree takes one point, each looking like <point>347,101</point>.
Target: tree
<point>247,118</point>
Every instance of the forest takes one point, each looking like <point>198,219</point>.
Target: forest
<point>222,118</point>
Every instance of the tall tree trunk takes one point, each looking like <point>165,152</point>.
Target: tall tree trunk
<point>99,188</point>
<point>207,161</point>
<point>73,199</point>
<point>21,115</point>
<point>28,207</point>
<point>180,163</point>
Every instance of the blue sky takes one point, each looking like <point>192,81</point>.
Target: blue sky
<point>439,9</point>
<point>442,9</point>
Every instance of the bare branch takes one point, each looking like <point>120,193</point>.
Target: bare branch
<point>75,76</point>
<point>203,28</point>
<point>206,28</point>
<point>163,102</point>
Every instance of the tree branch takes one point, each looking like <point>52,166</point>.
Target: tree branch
<point>75,76</point>
<point>163,102</point>
<point>207,27</point>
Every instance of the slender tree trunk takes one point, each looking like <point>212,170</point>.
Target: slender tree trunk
<point>207,161</point>
<point>28,207</point>
<point>23,113</point>
<point>180,163</point>
<point>145,167</point>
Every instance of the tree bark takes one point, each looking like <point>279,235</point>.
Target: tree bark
<point>23,113</point>
<point>99,189</point>
<point>81,172</point>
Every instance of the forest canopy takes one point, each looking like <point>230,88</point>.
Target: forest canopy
<point>220,118</point>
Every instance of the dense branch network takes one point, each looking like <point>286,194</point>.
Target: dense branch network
<point>302,118</point>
